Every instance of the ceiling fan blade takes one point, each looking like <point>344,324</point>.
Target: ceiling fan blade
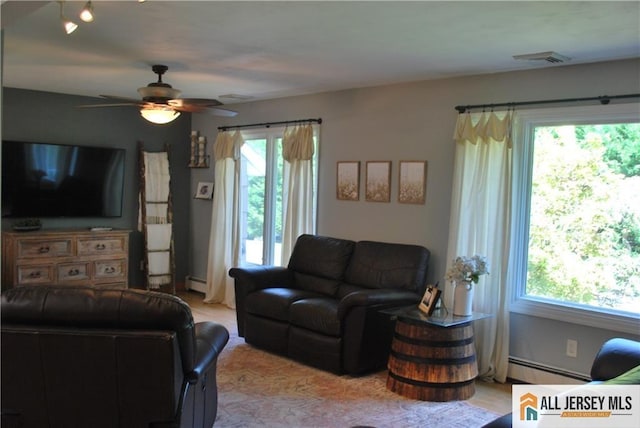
<point>188,108</point>
<point>222,112</point>
<point>203,102</point>
<point>110,105</point>
<point>116,97</point>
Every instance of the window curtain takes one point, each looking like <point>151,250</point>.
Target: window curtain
<point>480,224</point>
<point>224,238</point>
<point>297,151</point>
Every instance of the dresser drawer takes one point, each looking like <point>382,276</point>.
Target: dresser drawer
<point>97,246</point>
<point>112,270</point>
<point>36,274</point>
<point>73,272</point>
<point>45,248</point>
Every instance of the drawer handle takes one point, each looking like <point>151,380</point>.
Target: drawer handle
<point>74,272</point>
<point>44,249</point>
<point>35,274</point>
<point>109,269</point>
<point>100,247</point>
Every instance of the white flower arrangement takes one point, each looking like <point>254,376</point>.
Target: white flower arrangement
<point>467,269</point>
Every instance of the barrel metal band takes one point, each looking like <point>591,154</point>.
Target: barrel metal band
<point>433,343</point>
<point>424,360</point>
<point>430,384</point>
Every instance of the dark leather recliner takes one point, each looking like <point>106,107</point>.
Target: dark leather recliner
<point>84,357</point>
<point>617,362</point>
<point>323,309</point>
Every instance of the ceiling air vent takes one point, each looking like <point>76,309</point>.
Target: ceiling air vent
<point>550,56</point>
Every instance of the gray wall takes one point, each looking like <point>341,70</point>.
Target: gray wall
<point>414,121</point>
<point>53,118</point>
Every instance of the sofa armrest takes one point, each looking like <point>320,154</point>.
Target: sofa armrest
<point>253,278</point>
<point>376,297</point>
<point>615,357</point>
<point>210,338</point>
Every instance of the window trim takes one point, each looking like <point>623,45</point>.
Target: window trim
<point>524,125</point>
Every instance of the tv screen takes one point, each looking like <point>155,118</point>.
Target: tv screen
<point>55,180</point>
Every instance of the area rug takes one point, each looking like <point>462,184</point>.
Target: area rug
<point>259,389</point>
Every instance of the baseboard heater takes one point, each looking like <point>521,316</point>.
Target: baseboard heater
<point>196,284</point>
<point>540,374</point>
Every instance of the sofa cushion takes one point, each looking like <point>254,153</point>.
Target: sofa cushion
<point>346,289</point>
<point>630,377</point>
<point>321,256</point>
<point>274,302</point>
<point>316,284</point>
<point>387,265</point>
<point>318,314</point>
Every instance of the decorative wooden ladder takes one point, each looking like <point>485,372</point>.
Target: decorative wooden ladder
<point>156,219</point>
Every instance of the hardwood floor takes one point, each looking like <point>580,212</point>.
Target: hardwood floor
<point>495,397</point>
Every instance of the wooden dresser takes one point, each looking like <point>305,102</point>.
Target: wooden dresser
<point>65,257</point>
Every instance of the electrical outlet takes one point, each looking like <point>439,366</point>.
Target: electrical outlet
<point>572,348</point>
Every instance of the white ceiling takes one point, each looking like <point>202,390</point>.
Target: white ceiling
<point>270,49</point>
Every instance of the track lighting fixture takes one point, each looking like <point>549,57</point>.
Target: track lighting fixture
<point>69,26</point>
<point>86,14</point>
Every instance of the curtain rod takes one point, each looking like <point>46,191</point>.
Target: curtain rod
<point>604,99</point>
<point>268,124</point>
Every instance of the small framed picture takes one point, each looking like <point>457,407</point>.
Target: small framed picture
<point>348,181</point>
<point>430,299</point>
<point>412,182</point>
<point>378,187</point>
<point>204,191</point>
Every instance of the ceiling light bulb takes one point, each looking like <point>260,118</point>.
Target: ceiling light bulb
<point>159,115</point>
<point>69,26</point>
<point>86,14</point>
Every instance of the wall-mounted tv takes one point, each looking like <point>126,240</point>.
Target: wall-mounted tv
<point>56,180</point>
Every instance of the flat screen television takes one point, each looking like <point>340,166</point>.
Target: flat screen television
<point>56,180</point>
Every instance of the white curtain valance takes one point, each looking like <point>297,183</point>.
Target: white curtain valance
<point>227,145</point>
<point>483,127</point>
<point>297,143</point>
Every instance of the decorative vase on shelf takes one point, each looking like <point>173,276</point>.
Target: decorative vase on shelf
<point>463,298</point>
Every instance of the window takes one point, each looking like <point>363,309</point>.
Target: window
<point>261,195</point>
<point>578,228</point>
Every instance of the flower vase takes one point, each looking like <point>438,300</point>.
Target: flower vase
<point>462,299</point>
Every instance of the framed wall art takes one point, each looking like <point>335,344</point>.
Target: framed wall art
<point>412,182</point>
<point>378,181</point>
<point>204,190</point>
<point>348,180</point>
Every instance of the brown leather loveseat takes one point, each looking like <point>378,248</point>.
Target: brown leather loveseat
<point>83,357</point>
<point>323,309</point>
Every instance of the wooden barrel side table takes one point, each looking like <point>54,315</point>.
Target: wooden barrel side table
<point>433,358</point>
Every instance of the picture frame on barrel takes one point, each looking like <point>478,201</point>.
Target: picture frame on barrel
<point>430,299</point>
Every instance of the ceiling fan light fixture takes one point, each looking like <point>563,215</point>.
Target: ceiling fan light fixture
<point>159,115</point>
<point>86,14</point>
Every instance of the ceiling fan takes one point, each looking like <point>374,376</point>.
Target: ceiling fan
<point>160,103</point>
